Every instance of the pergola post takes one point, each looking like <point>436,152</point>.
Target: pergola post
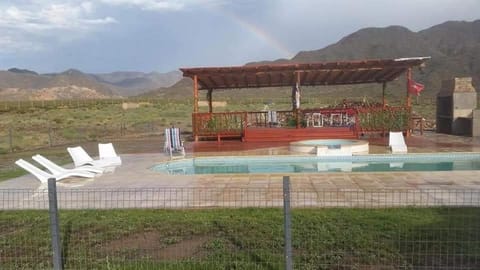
<point>195,93</point>
<point>384,86</point>
<point>409,79</point>
<point>297,110</point>
<point>409,100</point>
<point>209,97</point>
<point>195,106</point>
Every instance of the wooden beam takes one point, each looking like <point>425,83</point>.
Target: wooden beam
<point>281,77</point>
<point>368,74</point>
<point>334,79</point>
<point>325,78</point>
<point>358,74</point>
<point>224,81</point>
<point>314,78</point>
<point>385,74</point>
<point>212,82</point>
<point>293,77</point>
<point>306,77</point>
<point>235,81</point>
<point>203,84</point>
<point>343,77</point>
<point>269,76</point>
<point>394,75</point>
<point>245,80</point>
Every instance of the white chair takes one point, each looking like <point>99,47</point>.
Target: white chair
<point>56,169</point>
<point>44,176</point>
<point>396,142</point>
<point>81,158</point>
<point>173,144</point>
<point>107,152</point>
<point>272,118</point>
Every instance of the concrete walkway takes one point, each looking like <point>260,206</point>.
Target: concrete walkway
<point>130,183</point>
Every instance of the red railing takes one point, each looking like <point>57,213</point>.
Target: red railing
<point>219,124</point>
<point>270,119</point>
<point>361,120</point>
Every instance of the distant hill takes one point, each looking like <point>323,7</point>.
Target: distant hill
<point>22,71</point>
<point>182,89</point>
<point>135,83</point>
<point>65,85</point>
<point>22,84</point>
<point>454,47</point>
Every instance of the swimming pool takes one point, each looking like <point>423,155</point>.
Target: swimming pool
<point>319,164</point>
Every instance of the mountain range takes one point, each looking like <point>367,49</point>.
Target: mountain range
<point>454,48</point>
<point>22,84</point>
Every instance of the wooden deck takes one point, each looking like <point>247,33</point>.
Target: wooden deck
<point>294,134</point>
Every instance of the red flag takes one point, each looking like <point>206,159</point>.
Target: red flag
<point>415,88</point>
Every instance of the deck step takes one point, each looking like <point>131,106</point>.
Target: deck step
<point>285,135</point>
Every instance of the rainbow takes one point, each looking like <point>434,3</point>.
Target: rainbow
<point>258,32</point>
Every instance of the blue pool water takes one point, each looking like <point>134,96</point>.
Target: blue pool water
<point>314,164</point>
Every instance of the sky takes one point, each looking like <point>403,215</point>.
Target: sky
<point>101,36</point>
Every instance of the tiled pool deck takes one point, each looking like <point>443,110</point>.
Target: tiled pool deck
<point>135,172</point>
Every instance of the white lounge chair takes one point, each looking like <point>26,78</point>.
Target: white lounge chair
<point>81,158</point>
<point>173,143</point>
<point>44,176</point>
<point>107,152</point>
<point>396,142</point>
<point>56,169</point>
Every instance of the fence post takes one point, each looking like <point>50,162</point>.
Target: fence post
<point>10,139</point>
<point>54,224</point>
<point>287,218</point>
<point>50,142</point>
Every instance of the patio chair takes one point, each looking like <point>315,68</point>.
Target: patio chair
<point>81,158</point>
<point>173,144</point>
<point>107,152</point>
<point>44,176</point>
<point>272,118</point>
<point>56,169</point>
<point>396,142</point>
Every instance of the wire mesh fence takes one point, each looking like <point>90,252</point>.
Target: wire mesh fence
<point>32,137</point>
<point>240,228</point>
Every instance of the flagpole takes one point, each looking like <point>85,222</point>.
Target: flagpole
<point>409,81</point>
<point>297,100</point>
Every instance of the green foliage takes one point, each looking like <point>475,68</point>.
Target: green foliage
<point>377,120</point>
<point>250,238</point>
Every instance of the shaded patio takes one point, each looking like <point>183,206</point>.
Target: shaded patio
<point>350,120</point>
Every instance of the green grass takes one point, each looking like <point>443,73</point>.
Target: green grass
<point>39,124</point>
<point>244,238</point>
<point>9,170</point>
<point>11,173</point>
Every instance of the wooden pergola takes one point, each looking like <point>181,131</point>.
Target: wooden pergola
<point>293,75</point>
